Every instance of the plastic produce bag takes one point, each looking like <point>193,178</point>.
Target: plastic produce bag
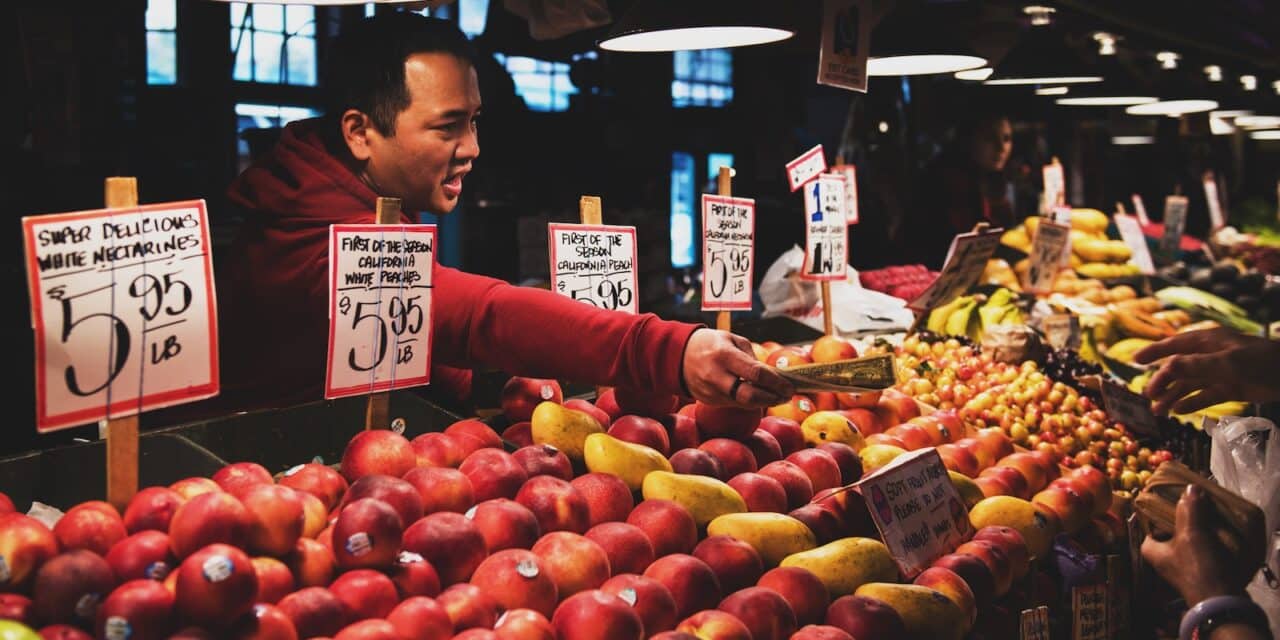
<point>854,309</point>
<point>1245,458</point>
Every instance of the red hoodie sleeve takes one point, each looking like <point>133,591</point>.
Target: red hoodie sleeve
<point>537,333</point>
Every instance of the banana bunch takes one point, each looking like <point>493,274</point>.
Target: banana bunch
<point>970,316</point>
<point>1092,249</point>
<point>1104,270</point>
<point>1217,411</point>
<point>1017,238</point>
<point>1090,220</point>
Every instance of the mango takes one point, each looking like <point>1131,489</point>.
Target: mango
<point>844,565</point>
<point>875,456</point>
<point>773,535</point>
<point>969,491</point>
<point>925,612</point>
<point>629,462</point>
<point>1037,529</point>
<point>705,498</point>
<point>562,428</point>
<point>831,426</point>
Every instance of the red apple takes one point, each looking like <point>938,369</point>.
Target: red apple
<point>450,542</point>
<point>764,447</point>
<point>315,517</point>
<point>733,455</point>
<point>951,585</point>
<point>824,523</point>
<point>377,451</point>
<point>274,579</point>
<point>367,534</point>
<point>69,587</point>
<point>1013,544</point>
<point>794,481</point>
<point>643,431</point>
<point>215,585</point>
<point>575,563</point>
<point>866,421</point>
<point>787,357</point>
<point>138,608</point>
<point>556,503</point>
<point>691,582</point>
<point>208,518</point>
<point>239,477</point>
<point>716,421</point>
<point>863,617</point>
<point>647,597</point>
<point>311,563</point>
<point>820,632</point>
<point>421,618</point>
<point>493,473</point>
<point>523,624</point>
<point>319,480</point>
<point>442,489</point>
<point>437,450</point>
<point>520,434</point>
<point>516,579</point>
<point>95,526</point>
<point>414,576</point>
<point>806,594</point>
<point>1012,479</point>
<point>669,526</point>
<point>760,492</point>
<point>736,564</point>
<point>189,488</point>
<point>17,608</point>
<point>996,560</point>
<point>399,494</point>
<point>521,395</point>
<point>152,508</point>
<point>786,432</point>
<point>469,607</point>
<point>714,624</point>
<point>913,436</point>
<point>608,497</point>
<point>368,630</point>
<point>365,594</point>
<point>264,622</point>
<point>607,402</point>
<point>903,405</point>
<point>596,615</point>
<point>472,435</point>
<point>544,460</point>
<point>820,466</point>
<point>765,612</point>
<point>315,612</point>
<point>627,547</point>
<point>144,554</point>
<point>578,404</point>
<point>975,573</point>
<point>505,524</point>
<point>277,518</point>
<point>682,430</point>
<point>697,462</point>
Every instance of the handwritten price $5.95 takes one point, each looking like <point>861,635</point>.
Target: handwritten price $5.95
<point>738,263</point>
<point>405,316</point>
<point>606,295</point>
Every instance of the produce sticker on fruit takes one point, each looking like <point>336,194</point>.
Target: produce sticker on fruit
<point>380,281</point>
<point>846,40</point>
<point>1046,255</point>
<point>1175,223</point>
<point>806,168</point>
<point>1131,233</point>
<point>966,260</point>
<point>594,264</point>
<point>728,252</point>
<point>916,508</point>
<point>826,237</point>
<point>124,311</point>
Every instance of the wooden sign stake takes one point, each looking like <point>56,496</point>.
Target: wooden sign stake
<point>724,185</point>
<point>378,411</point>
<point>122,433</point>
<point>589,209</point>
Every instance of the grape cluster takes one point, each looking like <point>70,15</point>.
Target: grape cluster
<point>930,337</point>
<point>1064,365</point>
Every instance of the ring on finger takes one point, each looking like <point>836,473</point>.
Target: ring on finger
<point>733,390</point>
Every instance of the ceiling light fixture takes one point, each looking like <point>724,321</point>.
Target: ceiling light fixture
<point>1052,91</point>
<point>1275,86</point>
<point>1258,122</point>
<point>1213,72</point>
<point>1230,113</point>
<point>975,74</point>
<point>1249,82</point>
<point>922,64</point>
<point>1040,57</point>
<point>1040,15</point>
<point>909,43</point>
<point>1175,108</point>
<point>1132,140</point>
<point>1106,43</point>
<point>663,25</point>
<point>1168,59</point>
<point>1271,134</point>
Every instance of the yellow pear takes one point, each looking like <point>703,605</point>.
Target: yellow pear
<point>831,426</point>
<point>630,462</point>
<point>846,564</point>
<point>1037,528</point>
<point>562,428</point>
<point>875,456</point>
<point>925,612</point>
<point>705,498</point>
<point>773,535</point>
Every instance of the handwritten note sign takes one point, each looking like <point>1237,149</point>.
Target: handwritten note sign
<point>826,233</point>
<point>846,39</point>
<point>1046,254</point>
<point>1131,233</point>
<point>1129,409</point>
<point>1217,219</point>
<point>1089,612</point>
<point>123,307</point>
<point>595,264</point>
<point>850,174</point>
<point>1175,223</point>
<point>916,508</point>
<point>1140,209</point>
<point>1055,186</point>
<point>1034,624</point>
<point>728,252</point>
<point>805,168</point>
<point>380,281</point>
<point>966,260</point>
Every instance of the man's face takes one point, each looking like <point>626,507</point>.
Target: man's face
<point>425,159</point>
<point>992,145</point>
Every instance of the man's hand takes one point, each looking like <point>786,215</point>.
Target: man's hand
<point>1194,562</point>
<point>715,360</point>
<point>1220,364</point>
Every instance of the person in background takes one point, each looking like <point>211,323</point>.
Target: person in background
<point>403,124</point>
<point>966,185</point>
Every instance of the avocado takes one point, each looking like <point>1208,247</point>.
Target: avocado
<point>1251,282</point>
<point>1225,271</point>
<point>1224,290</point>
<point>1200,278</point>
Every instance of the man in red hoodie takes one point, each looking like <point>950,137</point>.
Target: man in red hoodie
<point>404,125</point>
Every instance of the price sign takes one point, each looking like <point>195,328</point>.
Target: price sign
<point>805,168</point>
<point>966,260</point>
<point>1140,209</point>
<point>380,281</point>
<point>1131,234</point>
<point>826,233</point>
<point>1034,624</point>
<point>1062,331</point>
<point>846,39</point>
<point>1217,219</point>
<point>917,510</point>
<point>1089,612</point>
<point>595,264</point>
<point>1062,215</point>
<point>728,252</point>
<point>124,312</point>
<point>1175,223</point>
<point>1046,254</point>
<point>1055,186</point>
<point>1118,604</point>
<point>1129,409</point>
<point>850,174</point>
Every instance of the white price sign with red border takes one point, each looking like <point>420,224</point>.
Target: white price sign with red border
<point>595,264</point>
<point>850,174</point>
<point>380,285</point>
<point>728,252</point>
<point>805,168</point>
<point>124,311</point>
<point>1055,186</point>
<point>826,237</point>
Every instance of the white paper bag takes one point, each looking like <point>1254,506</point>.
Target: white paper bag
<point>855,310</point>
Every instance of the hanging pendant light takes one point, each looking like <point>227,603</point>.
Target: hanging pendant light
<point>913,43</point>
<point>1179,93</point>
<point>1040,57</point>
<point>671,25</point>
<point>1118,88</point>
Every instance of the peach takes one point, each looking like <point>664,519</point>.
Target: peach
<point>152,508</point>
<point>764,447</point>
<point>414,576</point>
<point>847,460</point>
<point>951,585</point>
<point>820,632</point>
<point>643,431</point>
<point>575,562</point>
<point>398,494</point>
<point>69,586</point>
<point>544,460</point>
<point>239,477</point>
<point>315,517</point>
<point>760,492</point>
<point>596,615</point>
<point>523,624</point>
<point>685,635</point>
<point>1013,544</point>
<point>437,450</point>
<point>516,579</point>
<point>1012,479</point>
<point>734,456</point>
<point>215,584</point>
<point>421,618</point>
<point>786,432</point>
<point>996,560</point>
<point>980,453</point>
<point>1093,481</point>
<point>669,526</point>
<point>493,473</point>
<point>520,396</point>
<point>94,525</point>
<point>142,607</point>
<point>765,612</point>
<point>505,524</point>
<point>264,622</point>
<point>578,404</point>
<point>832,349</point>
<point>713,624</point>
<point>189,488</point>
<point>866,421</point>
<point>365,593</point>
<point>368,630</point>
<point>820,466</point>
<point>682,431</point>
<point>913,436</point>
<point>469,606</point>
<point>863,617</point>
<point>473,435</point>
<point>1030,469</point>
<point>1048,461</point>
<point>16,607</point>
<point>691,582</point>
<point>824,523</point>
<point>959,460</point>
<point>520,434</point>
<point>627,547</point>
<point>277,518</point>
<point>144,554</point>
<point>274,579</point>
<point>1064,500</point>
<point>441,489</point>
<point>716,421</point>
<point>377,451</point>
<point>367,534</point>
<point>647,597</point>
<point>208,518</point>
<point>477,634</point>
<point>311,563</point>
<point>315,612</point>
<point>736,564</point>
<point>902,405</point>
<point>803,591</point>
<point>608,403</point>
<point>787,357</point>
<point>558,505</point>
<point>991,486</point>
<point>795,482</point>
<point>976,575</point>
<point>888,438</point>
<point>608,497</point>
<point>450,542</point>
<point>319,480</point>
<point>995,441</point>
<point>645,403</point>
<point>697,462</point>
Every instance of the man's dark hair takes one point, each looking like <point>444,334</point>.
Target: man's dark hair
<point>365,68</point>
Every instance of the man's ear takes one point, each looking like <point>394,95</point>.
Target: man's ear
<point>356,127</point>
